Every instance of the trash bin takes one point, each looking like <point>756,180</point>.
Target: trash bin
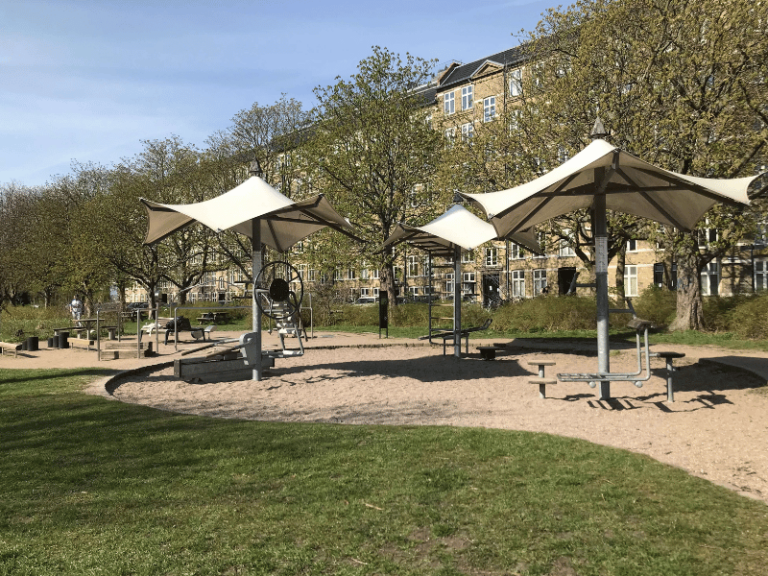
<point>33,343</point>
<point>51,342</point>
<point>63,340</point>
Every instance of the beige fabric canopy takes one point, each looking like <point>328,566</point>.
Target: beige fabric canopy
<point>283,222</point>
<point>457,227</point>
<point>629,184</point>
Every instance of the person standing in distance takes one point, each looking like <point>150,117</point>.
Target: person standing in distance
<point>76,308</point>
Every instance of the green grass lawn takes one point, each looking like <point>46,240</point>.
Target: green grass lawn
<point>92,486</point>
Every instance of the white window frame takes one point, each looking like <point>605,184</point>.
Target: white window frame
<point>630,281</point>
<point>518,283</point>
<point>710,279</point>
<point>365,292</point>
<point>516,82</point>
<point>467,131</point>
<point>565,250</point>
<point>539,281</point>
<point>467,97</point>
<point>467,256</point>
<point>632,245</point>
<point>761,274</point>
<point>489,108</point>
<point>413,266</point>
<point>491,256</point>
<point>449,103</point>
<point>516,252</point>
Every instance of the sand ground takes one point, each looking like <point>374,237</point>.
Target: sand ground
<point>717,427</point>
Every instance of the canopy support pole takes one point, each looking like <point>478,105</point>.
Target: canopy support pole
<point>457,301</point>
<point>256,270</point>
<point>601,279</point>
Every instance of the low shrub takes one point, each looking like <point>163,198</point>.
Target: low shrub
<point>746,316</point>
<point>547,313</point>
<point>657,305</point>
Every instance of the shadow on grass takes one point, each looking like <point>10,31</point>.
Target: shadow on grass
<point>16,376</point>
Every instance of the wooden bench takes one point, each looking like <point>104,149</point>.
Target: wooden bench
<point>542,381</point>
<point>8,347</point>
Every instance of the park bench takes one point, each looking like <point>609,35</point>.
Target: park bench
<point>8,347</point>
<point>449,335</point>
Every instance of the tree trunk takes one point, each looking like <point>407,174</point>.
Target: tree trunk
<point>387,282</point>
<point>621,262</point>
<point>690,311</point>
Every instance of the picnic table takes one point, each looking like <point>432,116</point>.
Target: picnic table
<point>213,317</point>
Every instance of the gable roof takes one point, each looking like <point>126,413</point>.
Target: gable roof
<point>464,72</point>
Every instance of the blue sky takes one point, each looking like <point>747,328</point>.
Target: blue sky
<point>89,80</point>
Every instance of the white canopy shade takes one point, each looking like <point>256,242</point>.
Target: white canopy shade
<point>457,227</point>
<point>283,222</point>
<point>630,185</point>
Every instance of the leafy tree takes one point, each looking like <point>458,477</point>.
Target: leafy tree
<point>271,135</point>
<point>374,154</point>
<point>680,83</point>
<point>165,171</point>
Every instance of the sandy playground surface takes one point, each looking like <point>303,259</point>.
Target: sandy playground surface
<point>717,428</point>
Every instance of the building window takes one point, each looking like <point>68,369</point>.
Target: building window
<point>413,290</point>
<point>450,134</point>
<point>375,273</point>
<point>449,283</point>
<point>467,131</point>
<point>489,108</point>
<point>630,281</point>
<point>707,235</point>
<point>364,273</point>
<point>376,293</point>
<point>365,292</point>
<point>565,250</point>
<point>351,274</point>
<point>516,82</point>
<point>492,256</point>
<point>449,103</point>
<point>761,274</point>
<point>468,277</point>
<point>658,274</point>
<point>710,279</point>
<point>539,282</point>
<point>516,252</point>
<point>466,97</point>
<point>298,247</point>
<point>337,275</point>
<point>514,120</point>
<point>413,266</point>
<point>312,275</point>
<point>467,256</point>
<point>518,283</point>
<point>631,245</point>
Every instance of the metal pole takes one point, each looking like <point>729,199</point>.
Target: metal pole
<point>256,249</point>
<point>457,301</point>
<point>601,279</point>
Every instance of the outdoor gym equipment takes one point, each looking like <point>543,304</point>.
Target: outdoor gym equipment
<point>279,290</point>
